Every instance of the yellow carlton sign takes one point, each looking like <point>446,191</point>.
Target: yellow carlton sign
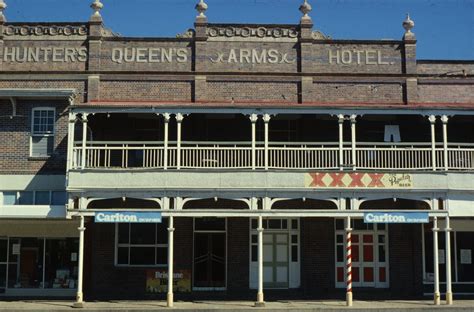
<point>358,180</point>
<point>157,281</point>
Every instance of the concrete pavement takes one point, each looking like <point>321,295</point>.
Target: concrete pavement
<point>241,306</point>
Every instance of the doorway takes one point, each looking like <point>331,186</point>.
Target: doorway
<point>275,260</point>
<point>281,253</point>
<point>210,253</point>
<point>370,265</point>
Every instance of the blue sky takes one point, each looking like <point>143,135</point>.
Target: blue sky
<point>444,28</point>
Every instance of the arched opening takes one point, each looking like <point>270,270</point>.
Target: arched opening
<point>307,203</point>
<point>394,204</point>
<point>123,203</point>
<point>212,203</point>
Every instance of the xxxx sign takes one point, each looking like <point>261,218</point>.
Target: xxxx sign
<point>357,180</point>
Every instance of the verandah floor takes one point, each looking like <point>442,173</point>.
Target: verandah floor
<point>293,306</point>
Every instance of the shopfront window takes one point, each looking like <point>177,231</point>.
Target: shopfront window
<point>142,244</point>
<point>462,248</point>
<point>38,262</point>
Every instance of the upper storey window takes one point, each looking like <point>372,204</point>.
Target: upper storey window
<point>42,132</point>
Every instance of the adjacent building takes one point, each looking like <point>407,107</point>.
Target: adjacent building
<point>240,159</point>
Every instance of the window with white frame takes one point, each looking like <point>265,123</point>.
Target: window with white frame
<point>48,198</point>
<point>42,131</point>
<point>144,244</point>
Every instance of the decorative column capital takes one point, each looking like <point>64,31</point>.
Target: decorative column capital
<point>444,119</point>
<point>84,117</point>
<point>72,117</point>
<point>432,119</point>
<point>340,118</point>
<point>166,117</point>
<point>266,118</point>
<point>253,118</point>
<point>353,118</point>
<point>179,117</point>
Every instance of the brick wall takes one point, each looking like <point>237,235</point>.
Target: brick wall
<point>105,280</point>
<point>238,255</point>
<point>252,91</point>
<point>405,254</point>
<point>136,90</point>
<point>15,139</point>
<point>357,92</point>
<point>317,257</point>
<point>446,93</point>
<point>108,281</point>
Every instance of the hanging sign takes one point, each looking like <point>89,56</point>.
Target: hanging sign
<point>127,217</point>
<point>396,217</point>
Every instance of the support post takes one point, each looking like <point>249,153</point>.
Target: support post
<point>353,141</point>
<point>253,120</point>
<point>437,299</point>
<point>432,120</point>
<point>179,120</point>
<point>341,141</point>
<point>84,139</point>
<point>444,120</point>
<point>449,291</point>
<point>170,296</point>
<point>79,296</point>
<point>166,119</point>
<point>266,120</point>
<point>260,302</point>
<point>71,161</point>
<point>349,262</point>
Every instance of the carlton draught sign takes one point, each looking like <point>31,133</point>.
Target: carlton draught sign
<point>127,217</point>
<point>396,217</point>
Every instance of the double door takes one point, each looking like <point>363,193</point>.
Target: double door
<point>275,260</point>
<point>369,259</point>
<point>209,260</point>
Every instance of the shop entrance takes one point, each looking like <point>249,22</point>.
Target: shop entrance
<point>281,254</point>
<point>275,260</point>
<point>209,254</point>
<point>369,254</point>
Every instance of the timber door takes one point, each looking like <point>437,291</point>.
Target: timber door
<point>275,260</point>
<point>369,256</point>
<point>209,259</point>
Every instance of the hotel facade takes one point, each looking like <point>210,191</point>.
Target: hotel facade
<point>250,161</point>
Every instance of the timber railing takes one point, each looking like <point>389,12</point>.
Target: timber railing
<point>274,155</point>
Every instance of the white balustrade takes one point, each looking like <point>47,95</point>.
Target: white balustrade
<point>238,155</point>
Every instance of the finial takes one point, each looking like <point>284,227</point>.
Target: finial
<point>201,7</point>
<point>305,8</point>
<point>408,24</point>
<point>3,6</point>
<point>97,6</point>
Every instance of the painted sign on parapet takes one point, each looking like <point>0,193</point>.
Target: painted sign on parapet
<point>396,217</point>
<point>357,180</point>
<point>127,217</point>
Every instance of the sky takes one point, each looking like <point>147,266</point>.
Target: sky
<point>444,28</point>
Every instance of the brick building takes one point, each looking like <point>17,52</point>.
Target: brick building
<point>271,159</point>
